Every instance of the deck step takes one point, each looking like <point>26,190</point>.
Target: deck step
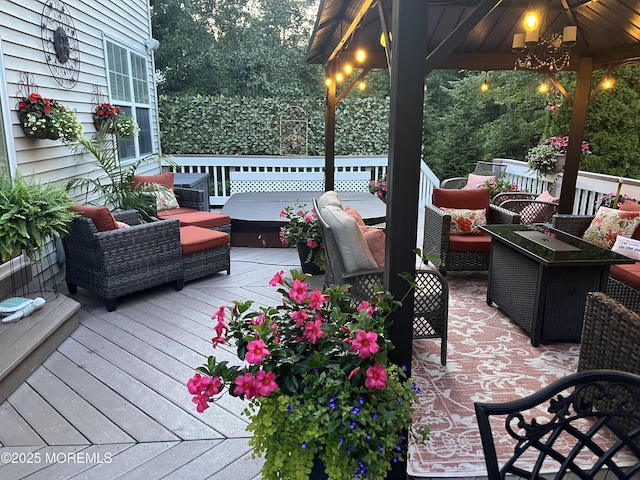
<point>24,345</point>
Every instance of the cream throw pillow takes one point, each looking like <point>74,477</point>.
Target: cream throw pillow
<point>609,224</point>
<point>351,243</point>
<point>329,198</point>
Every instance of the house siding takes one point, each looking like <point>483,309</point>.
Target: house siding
<point>123,22</point>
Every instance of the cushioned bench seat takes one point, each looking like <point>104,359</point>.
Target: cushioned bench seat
<point>204,251</point>
<point>188,217</point>
<point>470,243</point>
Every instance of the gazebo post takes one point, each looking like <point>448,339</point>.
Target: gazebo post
<point>576,134</point>
<point>409,49</point>
<point>330,130</point>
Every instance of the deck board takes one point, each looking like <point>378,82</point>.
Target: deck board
<point>129,369</point>
<point>127,415</point>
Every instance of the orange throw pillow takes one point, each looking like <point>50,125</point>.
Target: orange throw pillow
<point>629,206</point>
<point>354,213</point>
<point>375,238</point>
<point>102,218</point>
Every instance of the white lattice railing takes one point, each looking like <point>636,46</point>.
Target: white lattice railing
<point>232,174</point>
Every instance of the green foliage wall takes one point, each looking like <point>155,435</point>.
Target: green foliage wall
<point>197,124</point>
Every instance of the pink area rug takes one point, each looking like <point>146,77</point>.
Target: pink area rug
<point>489,359</point>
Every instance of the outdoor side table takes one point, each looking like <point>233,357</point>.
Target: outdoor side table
<point>540,276</point>
<point>197,181</point>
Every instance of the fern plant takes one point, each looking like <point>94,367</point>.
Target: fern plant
<point>29,214</point>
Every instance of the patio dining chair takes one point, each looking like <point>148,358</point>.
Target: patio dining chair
<point>586,410</point>
<point>488,169</point>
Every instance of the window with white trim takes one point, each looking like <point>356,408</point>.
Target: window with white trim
<point>129,90</point>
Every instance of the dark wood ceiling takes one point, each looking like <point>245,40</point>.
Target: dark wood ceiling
<point>608,31</point>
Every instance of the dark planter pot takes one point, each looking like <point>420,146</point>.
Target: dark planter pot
<point>27,131</point>
<point>308,267</point>
<point>101,123</point>
<point>317,471</point>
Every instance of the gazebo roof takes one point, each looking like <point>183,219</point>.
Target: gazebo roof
<point>608,31</point>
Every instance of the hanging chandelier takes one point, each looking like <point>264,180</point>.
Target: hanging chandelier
<point>543,52</point>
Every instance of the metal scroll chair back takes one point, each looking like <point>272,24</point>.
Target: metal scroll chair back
<point>581,432</point>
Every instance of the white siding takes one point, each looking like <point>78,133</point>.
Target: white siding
<point>124,21</point>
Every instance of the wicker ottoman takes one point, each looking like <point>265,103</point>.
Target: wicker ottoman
<point>204,252</point>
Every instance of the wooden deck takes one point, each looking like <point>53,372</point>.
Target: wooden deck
<point>111,401</point>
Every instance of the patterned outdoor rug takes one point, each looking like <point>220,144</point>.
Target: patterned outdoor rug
<point>490,359</point>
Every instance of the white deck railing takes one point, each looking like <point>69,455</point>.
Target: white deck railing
<point>233,174</point>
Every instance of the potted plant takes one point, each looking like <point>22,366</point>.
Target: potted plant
<point>303,232</point>
<point>47,118</point>
<point>500,185</point>
<point>379,188</point>
<point>110,119</point>
<point>316,372</point>
<point>29,213</point>
<point>117,192</point>
<point>542,159</point>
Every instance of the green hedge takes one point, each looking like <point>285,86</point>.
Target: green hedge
<point>251,126</point>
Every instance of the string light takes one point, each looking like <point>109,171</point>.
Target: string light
<point>608,83</point>
<point>362,85</point>
<point>484,87</point>
<point>361,55</point>
<point>543,87</point>
<point>327,82</point>
<point>348,69</point>
<point>339,77</point>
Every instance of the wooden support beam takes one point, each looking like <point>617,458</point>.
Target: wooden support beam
<point>576,134</point>
<point>330,130</point>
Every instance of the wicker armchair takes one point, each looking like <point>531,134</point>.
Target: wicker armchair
<point>610,336</point>
<point>431,301</point>
<point>437,235</point>
<point>526,205</point>
<point>620,291</point>
<point>114,263</point>
<point>481,168</point>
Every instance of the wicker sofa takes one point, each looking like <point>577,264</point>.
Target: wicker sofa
<point>111,261</point>
<point>191,210</point>
<point>623,284</point>
<point>344,240</point>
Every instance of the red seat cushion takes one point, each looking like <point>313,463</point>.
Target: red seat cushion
<point>470,243</point>
<point>174,212</point>
<point>165,179</point>
<point>453,198</point>
<point>203,219</point>
<point>102,217</point>
<point>196,239</point>
<point>630,206</point>
<point>629,274</point>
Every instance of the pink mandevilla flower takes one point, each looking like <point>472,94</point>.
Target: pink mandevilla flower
<point>311,243</point>
<point>256,352</point>
<point>245,385</point>
<point>203,388</point>
<point>298,291</point>
<point>265,383</point>
<point>313,331</point>
<point>278,279</point>
<point>365,344</point>
<point>376,377</point>
<point>316,299</point>
<point>364,305</point>
<point>258,320</point>
<point>300,316</point>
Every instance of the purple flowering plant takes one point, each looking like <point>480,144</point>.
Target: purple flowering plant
<point>316,372</point>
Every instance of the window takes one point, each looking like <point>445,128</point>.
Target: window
<point>129,89</point>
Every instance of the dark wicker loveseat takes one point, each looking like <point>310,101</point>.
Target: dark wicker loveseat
<point>117,262</point>
<point>617,288</point>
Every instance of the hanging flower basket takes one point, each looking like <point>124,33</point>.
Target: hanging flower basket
<point>103,124</point>
<point>48,119</point>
